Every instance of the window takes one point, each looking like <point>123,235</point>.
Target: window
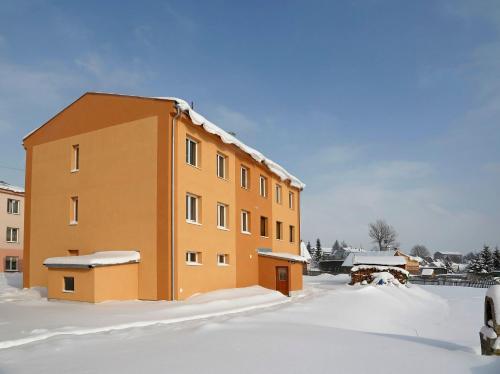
<point>221,216</point>
<point>245,222</point>
<point>74,210</point>
<point>193,258</point>
<point>12,235</point>
<point>279,230</point>
<point>244,177</point>
<point>278,194</point>
<point>69,284</point>
<point>262,186</point>
<point>192,208</point>
<point>11,263</point>
<point>221,165</point>
<point>222,259</point>
<point>292,234</point>
<point>263,227</point>
<point>75,159</point>
<point>73,252</point>
<point>191,152</point>
<point>13,206</point>
<point>290,200</point>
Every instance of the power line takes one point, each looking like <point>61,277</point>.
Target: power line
<point>11,168</point>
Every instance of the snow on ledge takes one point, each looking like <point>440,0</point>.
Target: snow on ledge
<point>96,259</point>
<point>379,260</point>
<point>284,256</point>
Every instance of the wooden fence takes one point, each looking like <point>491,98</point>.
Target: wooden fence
<point>482,283</point>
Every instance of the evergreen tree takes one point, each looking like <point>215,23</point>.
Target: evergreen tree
<point>486,260</point>
<point>475,265</point>
<point>318,253</point>
<point>496,258</point>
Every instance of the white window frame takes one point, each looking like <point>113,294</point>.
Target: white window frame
<point>291,197</point>
<point>189,203</point>
<point>225,259</point>
<point>10,234</point>
<point>75,158</point>
<point>262,186</point>
<point>193,258</point>
<point>64,285</point>
<point>244,171</point>
<point>222,223</point>
<point>278,190</point>
<point>190,143</point>
<point>11,203</point>
<point>245,222</point>
<point>221,171</point>
<point>9,260</point>
<point>279,230</point>
<point>74,210</point>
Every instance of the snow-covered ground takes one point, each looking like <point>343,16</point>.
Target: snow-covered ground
<point>332,327</point>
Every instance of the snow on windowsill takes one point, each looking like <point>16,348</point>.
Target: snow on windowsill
<point>193,223</point>
<point>193,263</point>
<point>246,232</point>
<point>222,228</point>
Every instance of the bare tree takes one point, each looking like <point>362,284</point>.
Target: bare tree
<point>383,234</point>
<point>420,250</point>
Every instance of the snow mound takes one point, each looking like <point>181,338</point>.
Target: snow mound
<point>11,289</point>
<point>384,278</point>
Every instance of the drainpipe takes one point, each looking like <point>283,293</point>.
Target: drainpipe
<point>172,202</point>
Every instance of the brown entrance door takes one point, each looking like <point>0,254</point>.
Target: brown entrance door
<point>282,280</point>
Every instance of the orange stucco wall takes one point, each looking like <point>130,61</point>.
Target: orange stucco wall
<point>84,284</point>
<point>267,273</point>
<point>123,187</point>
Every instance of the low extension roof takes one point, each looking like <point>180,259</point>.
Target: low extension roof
<point>284,256</point>
<point>103,258</point>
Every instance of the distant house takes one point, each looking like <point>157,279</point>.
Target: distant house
<point>11,226</point>
<point>455,257</point>
<point>412,262</point>
<point>331,266</point>
<point>427,273</point>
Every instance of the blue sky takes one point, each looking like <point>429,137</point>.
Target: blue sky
<point>386,109</point>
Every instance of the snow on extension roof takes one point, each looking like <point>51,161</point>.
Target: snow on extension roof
<point>227,138</point>
<point>427,271</point>
<point>9,187</point>
<point>379,260</point>
<point>284,256</point>
<point>102,258</point>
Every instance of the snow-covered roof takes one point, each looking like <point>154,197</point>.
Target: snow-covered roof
<point>450,253</point>
<point>348,262</point>
<point>102,258</point>
<point>304,252</point>
<point>284,256</point>
<point>227,138</point>
<point>427,271</point>
<point>379,260</point>
<point>10,187</point>
<point>353,250</point>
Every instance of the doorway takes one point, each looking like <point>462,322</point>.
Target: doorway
<point>282,283</point>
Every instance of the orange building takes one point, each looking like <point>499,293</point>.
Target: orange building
<point>151,180</point>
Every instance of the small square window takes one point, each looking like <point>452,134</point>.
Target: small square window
<point>11,263</point>
<point>13,206</point>
<point>193,258</point>
<point>222,259</point>
<point>69,284</point>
